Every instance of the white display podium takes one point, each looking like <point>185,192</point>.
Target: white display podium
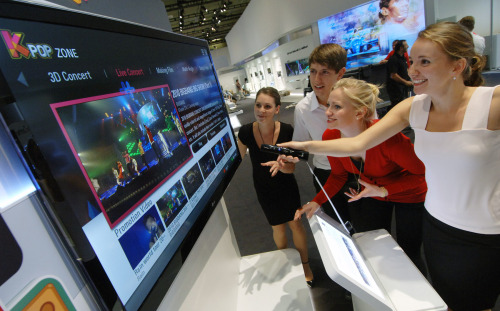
<point>216,277</point>
<point>374,268</point>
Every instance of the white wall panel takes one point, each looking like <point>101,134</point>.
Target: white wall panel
<point>480,9</point>
<point>265,21</point>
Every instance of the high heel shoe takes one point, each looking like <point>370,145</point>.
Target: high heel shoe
<point>310,283</point>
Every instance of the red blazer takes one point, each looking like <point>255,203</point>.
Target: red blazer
<point>393,164</point>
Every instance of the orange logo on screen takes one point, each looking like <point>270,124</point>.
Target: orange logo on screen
<point>48,299</point>
<point>78,1</point>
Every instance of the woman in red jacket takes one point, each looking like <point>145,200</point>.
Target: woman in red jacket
<point>390,176</point>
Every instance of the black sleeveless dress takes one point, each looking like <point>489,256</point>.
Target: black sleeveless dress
<point>279,195</point>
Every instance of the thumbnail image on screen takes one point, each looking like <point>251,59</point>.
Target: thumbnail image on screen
<point>192,180</point>
<point>226,142</point>
<point>207,164</point>
<point>171,203</point>
<point>127,145</point>
<point>218,152</point>
<point>367,31</point>
<point>142,236</point>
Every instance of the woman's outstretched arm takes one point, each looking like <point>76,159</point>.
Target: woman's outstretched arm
<point>392,123</point>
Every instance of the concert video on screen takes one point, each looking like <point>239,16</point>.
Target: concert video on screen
<point>127,145</point>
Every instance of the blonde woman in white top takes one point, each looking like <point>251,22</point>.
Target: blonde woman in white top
<point>457,136</point>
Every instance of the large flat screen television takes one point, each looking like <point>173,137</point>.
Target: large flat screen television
<point>368,30</point>
<point>297,67</point>
<point>125,130</point>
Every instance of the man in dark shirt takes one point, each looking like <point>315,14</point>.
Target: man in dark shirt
<point>398,81</point>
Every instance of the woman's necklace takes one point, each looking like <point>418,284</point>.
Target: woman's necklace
<point>274,129</point>
<point>354,172</point>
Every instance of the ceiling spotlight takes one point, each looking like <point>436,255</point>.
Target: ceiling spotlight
<point>204,8</point>
<point>218,22</point>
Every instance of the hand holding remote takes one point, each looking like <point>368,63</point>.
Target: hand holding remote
<point>301,154</point>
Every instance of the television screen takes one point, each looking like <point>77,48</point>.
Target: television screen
<point>367,31</point>
<point>298,67</point>
<point>129,126</point>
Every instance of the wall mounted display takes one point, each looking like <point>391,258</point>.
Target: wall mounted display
<point>368,30</point>
<point>298,67</point>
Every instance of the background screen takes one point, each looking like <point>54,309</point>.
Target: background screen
<point>298,67</point>
<point>131,131</point>
<point>367,34</point>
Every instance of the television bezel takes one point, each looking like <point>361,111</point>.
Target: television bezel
<point>67,17</point>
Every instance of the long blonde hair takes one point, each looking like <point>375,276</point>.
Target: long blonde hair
<point>362,95</point>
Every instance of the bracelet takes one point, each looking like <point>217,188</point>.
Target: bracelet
<point>386,193</point>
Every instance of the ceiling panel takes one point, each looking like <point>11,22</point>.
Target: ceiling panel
<point>205,19</point>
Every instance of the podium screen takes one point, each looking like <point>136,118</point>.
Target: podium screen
<point>345,264</point>
<point>348,259</point>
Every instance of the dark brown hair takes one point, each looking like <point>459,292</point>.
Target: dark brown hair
<point>330,55</point>
<point>270,91</point>
<point>383,4</point>
<point>468,22</point>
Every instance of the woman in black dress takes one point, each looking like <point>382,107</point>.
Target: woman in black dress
<point>277,190</point>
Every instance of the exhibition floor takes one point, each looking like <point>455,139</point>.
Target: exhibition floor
<point>252,231</point>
